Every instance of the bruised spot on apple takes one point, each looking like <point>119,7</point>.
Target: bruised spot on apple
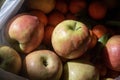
<point>43,65</point>
<point>70,39</point>
<point>24,32</point>
<point>10,60</point>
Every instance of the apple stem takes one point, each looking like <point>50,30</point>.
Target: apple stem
<point>76,27</point>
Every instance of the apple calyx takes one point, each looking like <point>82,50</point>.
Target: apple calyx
<point>45,63</point>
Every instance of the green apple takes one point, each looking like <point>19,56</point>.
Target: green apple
<point>43,65</point>
<point>77,69</point>
<point>24,32</point>
<point>70,39</point>
<point>10,60</point>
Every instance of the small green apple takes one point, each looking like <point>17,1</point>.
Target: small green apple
<point>108,79</point>
<point>77,69</point>
<point>70,39</point>
<point>10,60</point>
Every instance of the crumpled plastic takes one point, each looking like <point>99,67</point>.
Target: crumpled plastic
<point>8,9</point>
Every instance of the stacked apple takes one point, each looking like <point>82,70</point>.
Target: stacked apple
<point>62,40</point>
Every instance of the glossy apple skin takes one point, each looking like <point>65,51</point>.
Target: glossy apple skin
<point>10,60</point>
<point>70,39</point>
<point>24,32</point>
<point>77,69</point>
<point>43,65</point>
<point>112,53</point>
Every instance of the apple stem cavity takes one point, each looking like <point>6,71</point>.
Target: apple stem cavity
<point>44,61</point>
<point>75,27</point>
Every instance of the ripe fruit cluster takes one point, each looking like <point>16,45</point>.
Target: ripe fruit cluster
<point>64,40</point>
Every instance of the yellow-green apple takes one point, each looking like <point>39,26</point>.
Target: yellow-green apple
<point>10,60</point>
<point>112,53</point>
<point>43,65</point>
<point>24,32</point>
<point>79,69</point>
<point>44,5</point>
<point>108,79</point>
<point>70,39</point>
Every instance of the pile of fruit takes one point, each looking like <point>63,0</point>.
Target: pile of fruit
<point>64,40</point>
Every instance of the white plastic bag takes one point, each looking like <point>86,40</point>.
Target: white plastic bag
<point>8,10</point>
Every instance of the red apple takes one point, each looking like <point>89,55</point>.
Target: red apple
<point>10,60</point>
<point>41,16</point>
<point>47,35</point>
<point>99,30</point>
<point>112,53</point>
<point>97,10</point>
<point>61,6</point>
<point>71,16</point>
<point>43,65</point>
<point>76,6</point>
<point>24,32</point>
<point>70,39</point>
<point>55,18</point>
<point>94,40</point>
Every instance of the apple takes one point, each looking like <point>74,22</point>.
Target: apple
<point>112,53</point>
<point>99,30</point>
<point>108,79</point>
<point>97,10</point>
<point>79,69</point>
<point>70,16</point>
<point>10,60</point>
<point>47,35</point>
<point>24,32</point>
<point>41,16</point>
<point>55,18</point>
<point>44,5</point>
<point>62,6</point>
<point>94,40</point>
<point>76,6</point>
<point>70,39</point>
<point>43,65</point>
